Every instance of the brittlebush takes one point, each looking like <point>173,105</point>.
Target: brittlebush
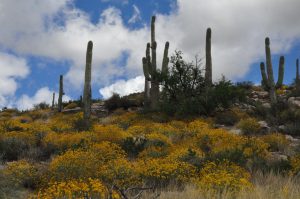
<point>162,171</point>
<point>90,188</point>
<point>295,163</point>
<point>223,175</point>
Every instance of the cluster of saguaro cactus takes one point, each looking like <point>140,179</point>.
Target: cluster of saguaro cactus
<point>208,64</point>
<point>268,78</point>
<point>61,93</point>
<point>150,69</point>
<point>87,93</point>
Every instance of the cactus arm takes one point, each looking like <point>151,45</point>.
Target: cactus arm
<point>280,72</point>
<point>264,80</point>
<point>148,59</point>
<point>165,62</point>
<point>208,65</point>
<point>146,69</point>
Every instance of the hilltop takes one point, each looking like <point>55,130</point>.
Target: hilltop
<point>130,152</point>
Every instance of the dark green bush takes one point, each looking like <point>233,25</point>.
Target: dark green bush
<point>184,91</point>
<point>227,118</point>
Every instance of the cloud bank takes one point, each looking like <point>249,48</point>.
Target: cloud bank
<point>58,30</point>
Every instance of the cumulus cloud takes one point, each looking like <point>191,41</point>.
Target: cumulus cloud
<point>11,69</point>
<point>123,87</point>
<point>136,15</point>
<point>60,31</point>
<point>42,95</point>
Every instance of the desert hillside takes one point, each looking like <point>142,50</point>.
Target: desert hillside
<point>130,153</point>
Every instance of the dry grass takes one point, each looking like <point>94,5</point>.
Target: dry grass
<point>268,186</point>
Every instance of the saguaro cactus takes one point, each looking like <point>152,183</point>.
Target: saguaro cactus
<point>53,101</point>
<point>208,64</point>
<point>150,69</point>
<point>87,93</point>
<point>61,93</point>
<point>297,76</point>
<point>268,79</point>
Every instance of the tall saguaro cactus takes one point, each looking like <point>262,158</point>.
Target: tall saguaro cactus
<point>150,69</point>
<point>61,93</point>
<point>53,100</point>
<point>87,93</point>
<point>268,79</point>
<point>297,76</point>
<point>208,64</point>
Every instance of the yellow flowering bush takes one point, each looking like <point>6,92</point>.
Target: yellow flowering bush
<point>90,188</point>
<point>64,123</point>
<point>78,164</point>
<point>295,163</point>
<point>82,164</point>
<point>276,141</point>
<point>223,175</point>
<point>111,133</point>
<point>119,172</point>
<point>62,141</point>
<point>106,151</point>
<point>154,152</point>
<point>161,171</point>
<point>21,173</point>
<point>249,126</point>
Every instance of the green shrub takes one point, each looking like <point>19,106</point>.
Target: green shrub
<point>185,93</point>
<point>12,148</point>
<point>227,118</point>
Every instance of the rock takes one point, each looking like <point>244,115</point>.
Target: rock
<point>282,127</point>
<point>72,110</point>
<point>266,105</point>
<point>236,131</point>
<point>264,127</point>
<point>291,138</point>
<point>277,157</point>
<point>294,101</point>
<point>262,94</point>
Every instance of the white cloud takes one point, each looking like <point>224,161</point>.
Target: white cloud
<point>136,15</point>
<point>122,1</point>
<point>57,30</point>
<point>42,95</point>
<point>238,30</point>
<point>123,87</point>
<point>11,69</point>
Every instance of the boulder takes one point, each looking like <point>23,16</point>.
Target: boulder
<point>294,101</point>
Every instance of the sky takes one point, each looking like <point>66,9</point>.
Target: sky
<point>40,40</point>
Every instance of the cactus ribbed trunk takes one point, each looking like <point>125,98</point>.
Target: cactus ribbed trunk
<point>61,93</point>
<point>271,84</point>
<point>208,64</point>
<point>87,93</point>
<point>264,80</point>
<point>269,63</point>
<point>154,91</point>
<point>53,101</point>
<point>280,72</point>
<point>166,60</point>
<point>297,76</point>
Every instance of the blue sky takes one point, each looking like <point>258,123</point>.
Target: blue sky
<point>40,40</point>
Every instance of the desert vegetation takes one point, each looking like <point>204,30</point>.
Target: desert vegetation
<point>193,138</point>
